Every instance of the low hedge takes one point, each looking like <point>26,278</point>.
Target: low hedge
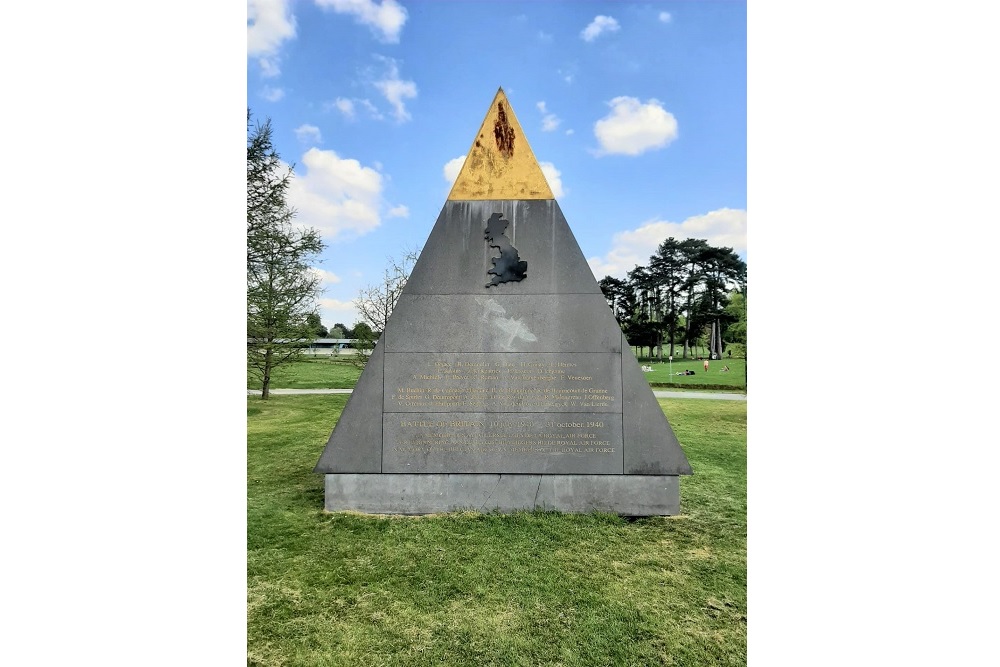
<point>674,385</point>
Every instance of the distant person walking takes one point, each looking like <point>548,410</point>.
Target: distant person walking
<point>706,365</point>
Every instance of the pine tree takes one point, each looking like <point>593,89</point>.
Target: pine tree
<point>281,287</point>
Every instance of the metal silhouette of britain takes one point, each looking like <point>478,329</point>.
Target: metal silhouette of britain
<point>496,388</point>
<point>508,267</point>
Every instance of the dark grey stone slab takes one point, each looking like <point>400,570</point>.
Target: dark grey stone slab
<point>472,382</point>
<point>652,447</point>
<point>549,443</point>
<point>502,323</point>
<point>628,495</point>
<point>356,442</point>
<point>456,257</point>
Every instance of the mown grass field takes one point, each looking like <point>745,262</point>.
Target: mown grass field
<point>484,589</point>
<point>664,375</point>
<point>312,373</point>
<point>339,373</point>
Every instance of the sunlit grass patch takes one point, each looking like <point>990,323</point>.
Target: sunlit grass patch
<point>470,588</point>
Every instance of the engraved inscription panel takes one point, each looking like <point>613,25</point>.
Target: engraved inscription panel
<point>564,443</point>
<point>471,382</point>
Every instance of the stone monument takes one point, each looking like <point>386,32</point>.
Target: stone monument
<point>502,380</point>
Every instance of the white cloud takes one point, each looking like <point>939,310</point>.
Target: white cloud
<point>452,168</point>
<point>349,107</point>
<point>371,109</point>
<point>725,227</point>
<point>550,121</point>
<point>544,37</point>
<point>399,212</point>
<point>553,176</point>
<point>665,17</point>
<point>633,128</point>
<point>269,23</point>
<point>345,106</point>
<point>332,311</point>
<point>269,67</point>
<point>395,90</point>
<point>308,134</point>
<point>272,94</point>
<point>569,132</point>
<point>335,195</point>
<point>386,18</point>
<point>599,25</point>
<point>325,277</point>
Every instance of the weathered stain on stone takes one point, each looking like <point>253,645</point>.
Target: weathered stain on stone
<point>503,169</point>
<point>503,132</point>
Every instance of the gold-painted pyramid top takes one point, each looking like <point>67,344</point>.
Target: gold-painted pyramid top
<point>500,164</point>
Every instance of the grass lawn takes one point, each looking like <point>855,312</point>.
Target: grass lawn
<point>312,373</point>
<point>735,379</point>
<point>484,589</point>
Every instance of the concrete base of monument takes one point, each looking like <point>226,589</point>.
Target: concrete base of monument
<point>627,495</point>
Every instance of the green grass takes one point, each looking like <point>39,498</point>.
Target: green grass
<point>474,589</point>
<point>312,373</point>
<point>734,379</point>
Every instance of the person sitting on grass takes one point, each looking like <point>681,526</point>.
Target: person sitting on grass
<point>684,373</point>
<point>724,369</point>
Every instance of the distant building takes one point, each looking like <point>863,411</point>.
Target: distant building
<point>331,346</point>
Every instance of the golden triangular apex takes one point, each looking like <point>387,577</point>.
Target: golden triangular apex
<point>500,164</point>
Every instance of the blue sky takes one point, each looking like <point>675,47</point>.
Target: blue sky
<point>637,113</point>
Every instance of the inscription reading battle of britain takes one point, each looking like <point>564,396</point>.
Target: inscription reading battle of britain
<point>563,443</point>
<point>511,436</point>
<point>482,382</point>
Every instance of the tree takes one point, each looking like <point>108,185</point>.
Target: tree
<point>337,331</point>
<point>649,319</point>
<point>375,302</point>
<point>691,255</point>
<point>364,332</point>
<point>621,300</point>
<point>316,326</point>
<point>364,343</point>
<point>666,268</point>
<point>281,288</point>
<point>721,271</point>
<point>681,297</point>
<point>737,310</point>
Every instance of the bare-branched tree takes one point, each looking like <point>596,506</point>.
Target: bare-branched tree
<point>376,301</point>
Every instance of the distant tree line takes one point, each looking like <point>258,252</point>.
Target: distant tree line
<point>691,294</point>
<point>360,331</point>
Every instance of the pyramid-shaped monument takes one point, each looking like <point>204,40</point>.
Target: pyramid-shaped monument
<point>502,380</point>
